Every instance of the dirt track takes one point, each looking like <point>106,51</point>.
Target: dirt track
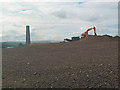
<point>90,62</point>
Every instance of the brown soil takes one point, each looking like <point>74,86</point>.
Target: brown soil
<point>89,62</point>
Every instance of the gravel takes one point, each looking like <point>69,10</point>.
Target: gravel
<point>91,62</point>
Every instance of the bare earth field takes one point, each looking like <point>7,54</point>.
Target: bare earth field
<point>89,62</point>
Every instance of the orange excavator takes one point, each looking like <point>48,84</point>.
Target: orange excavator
<point>86,33</point>
<point>82,35</point>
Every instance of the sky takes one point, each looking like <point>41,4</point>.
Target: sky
<point>56,20</point>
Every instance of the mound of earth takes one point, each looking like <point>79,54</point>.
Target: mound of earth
<point>89,62</point>
<point>91,38</point>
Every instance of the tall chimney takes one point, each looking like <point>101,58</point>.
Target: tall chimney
<point>27,35</point>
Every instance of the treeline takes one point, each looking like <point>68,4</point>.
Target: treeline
<point>11,44</point>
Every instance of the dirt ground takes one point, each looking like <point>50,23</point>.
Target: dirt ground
<point>91,62</point>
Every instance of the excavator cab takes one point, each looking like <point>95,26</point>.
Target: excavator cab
<point>83,35</point>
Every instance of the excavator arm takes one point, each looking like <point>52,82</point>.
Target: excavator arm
<point>86,33</point>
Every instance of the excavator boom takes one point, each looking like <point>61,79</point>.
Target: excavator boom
<point>86,33</point>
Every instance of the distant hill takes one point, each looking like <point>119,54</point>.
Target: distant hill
<point>11,44</point>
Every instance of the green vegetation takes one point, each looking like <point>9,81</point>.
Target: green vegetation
<point>11,44</point>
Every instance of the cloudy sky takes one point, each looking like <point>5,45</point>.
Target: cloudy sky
<point>56,20</point>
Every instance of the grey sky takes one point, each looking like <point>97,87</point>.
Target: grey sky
<point>56,21</point>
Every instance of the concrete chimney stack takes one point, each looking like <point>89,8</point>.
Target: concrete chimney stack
<point>27,35</point>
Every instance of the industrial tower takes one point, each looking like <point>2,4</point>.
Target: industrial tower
<point>27,35</point>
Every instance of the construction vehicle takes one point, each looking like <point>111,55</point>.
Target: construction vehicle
<point>72,39</point>
<point>86,33</point>
<point>82,35</point>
